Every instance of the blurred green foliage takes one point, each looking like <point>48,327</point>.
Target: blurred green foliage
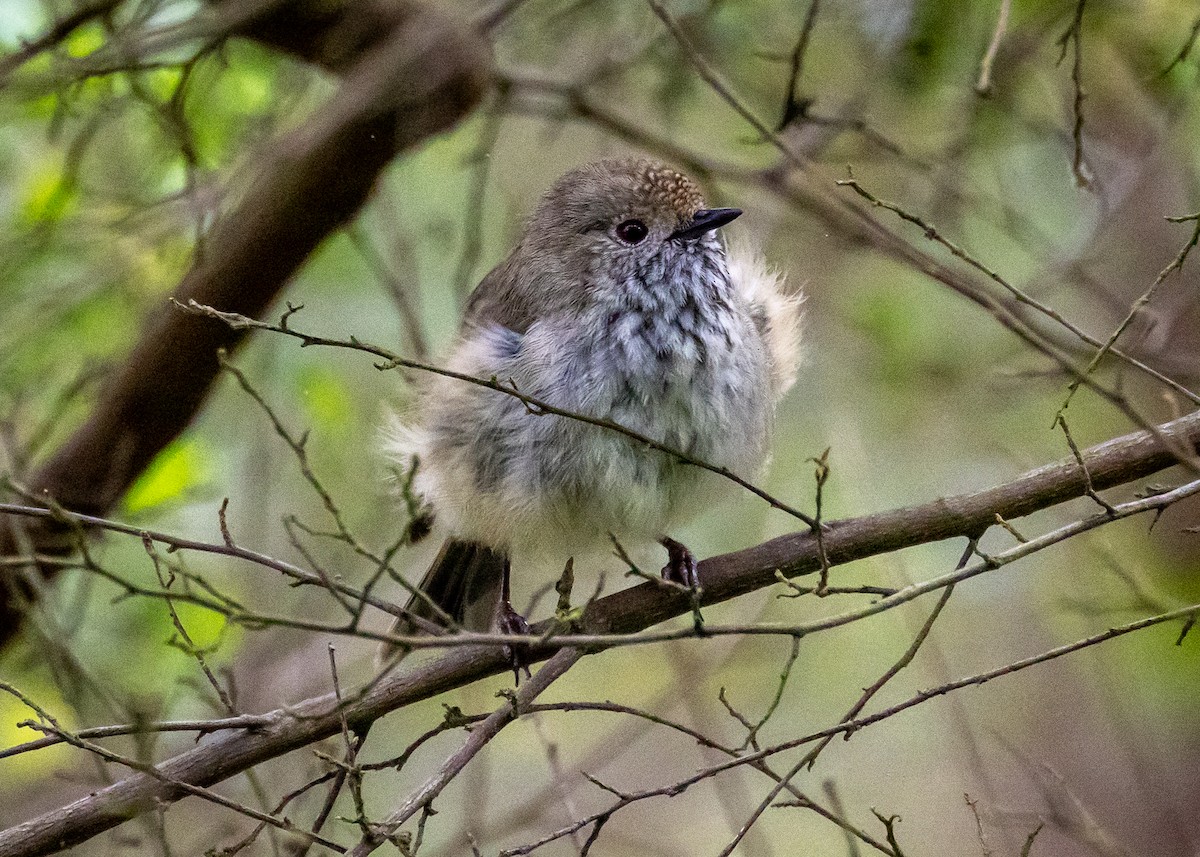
<point>182,466</point>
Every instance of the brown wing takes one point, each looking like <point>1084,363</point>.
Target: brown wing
<point>497,301</point>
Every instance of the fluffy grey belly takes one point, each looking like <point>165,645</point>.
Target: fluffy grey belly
<point>554,478</point>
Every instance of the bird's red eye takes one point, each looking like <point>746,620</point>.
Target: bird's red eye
<point>632,231</point>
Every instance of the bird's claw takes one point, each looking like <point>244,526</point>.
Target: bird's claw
<point>681,565</point>
<point>510,621</point>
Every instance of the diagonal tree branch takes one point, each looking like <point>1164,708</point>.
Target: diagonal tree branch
<point>479,736</point>
<point>1116,462</point>
<point>409,73</point>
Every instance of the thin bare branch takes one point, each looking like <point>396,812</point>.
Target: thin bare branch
<point>793,105</point>
<point>1074,37</point>
<point>535,406</point>
<point>480,735</point>
<point>1119,461</point>
<point>983,87</point>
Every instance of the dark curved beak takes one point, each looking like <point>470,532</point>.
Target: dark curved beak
<point>705,220</point>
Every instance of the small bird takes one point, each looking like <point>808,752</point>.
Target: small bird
<point>619,303</point>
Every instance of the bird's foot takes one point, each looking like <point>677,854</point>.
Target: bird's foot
<point>681,565</point>
<point>510,621</point>
<point>681,569</point>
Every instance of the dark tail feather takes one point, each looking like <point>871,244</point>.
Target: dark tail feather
<point>464,582</point>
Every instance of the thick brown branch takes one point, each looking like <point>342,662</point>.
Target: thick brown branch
<point>409,73</point>
<point>1119,461</point>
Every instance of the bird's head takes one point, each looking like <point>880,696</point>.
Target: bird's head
<point>614,219</point>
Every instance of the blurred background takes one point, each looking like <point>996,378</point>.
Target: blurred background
<point>110,180</point>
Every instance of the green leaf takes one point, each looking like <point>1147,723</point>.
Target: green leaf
<point>326,398</point>
<point>47,195</point>
<point>179,468</point>
<point>31,767</point>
